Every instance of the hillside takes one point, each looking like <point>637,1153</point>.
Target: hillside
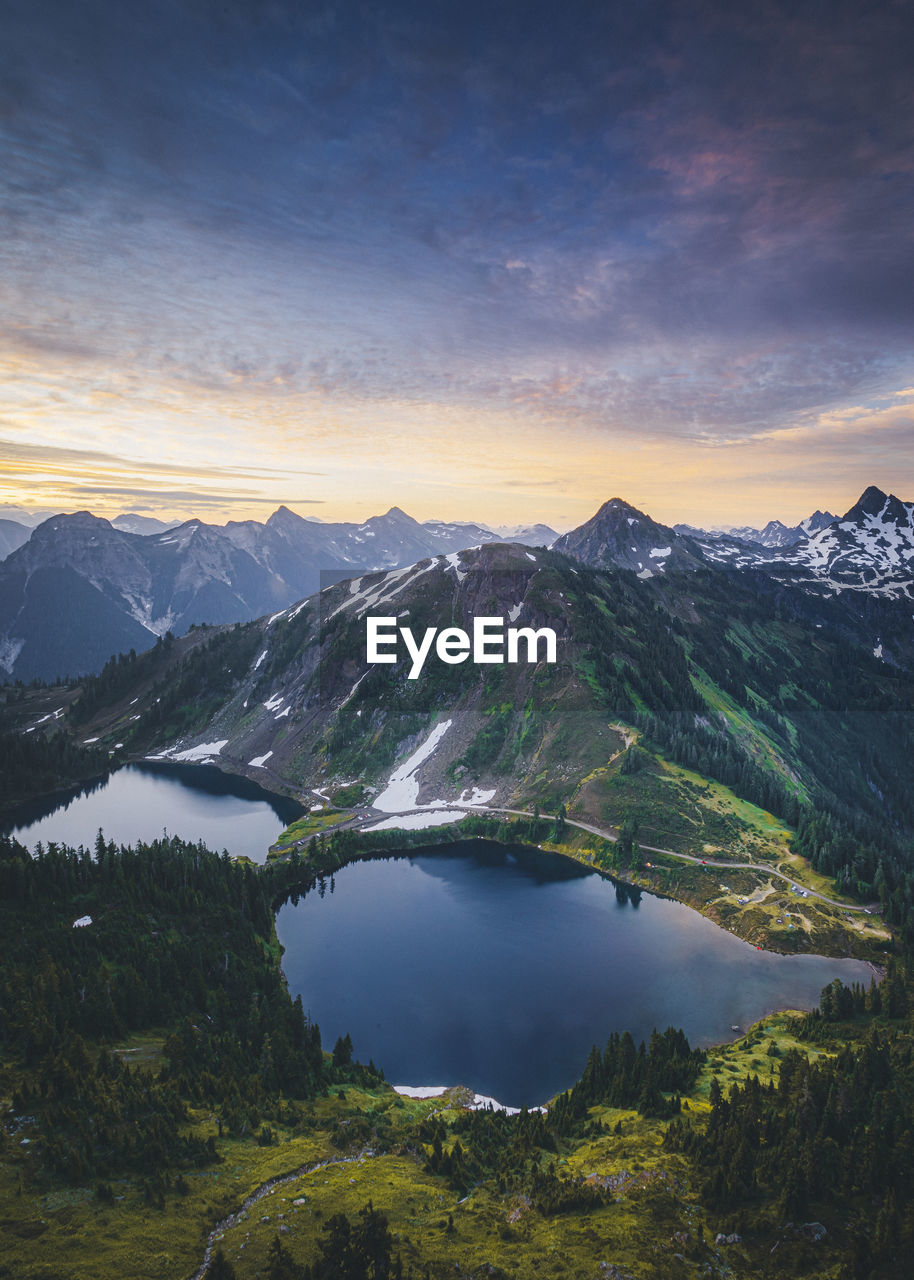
<point>162,1112</point>
<point>758,686</point>
<point>723,715</point>
<point>81,587</point>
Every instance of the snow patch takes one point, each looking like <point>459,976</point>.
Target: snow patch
<point>420,1090</point>
<point>82,922</point>
<point>402,790</point>
<point>417,821</point>
<point>477,796</point>
<point>203,751</point>
<point>658,553</point>
<point>514,612</point>
<point>9,651</point>
<point>481,1101</point>
<point>260,659</point>
<point>259,761</point>
<point>384,590</point>
<point>453,562</point>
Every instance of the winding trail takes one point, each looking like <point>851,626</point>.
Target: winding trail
<point>358,821</point>
<point>258,1194</point>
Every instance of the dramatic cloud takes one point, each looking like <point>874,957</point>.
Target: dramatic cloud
<point>340,232</point>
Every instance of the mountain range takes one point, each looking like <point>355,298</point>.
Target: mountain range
<point>81,587</point>
<point>791,697</point>
<point>774,534</point>
<point>870,549</point>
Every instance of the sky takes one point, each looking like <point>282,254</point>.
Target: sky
<point>495,262</point>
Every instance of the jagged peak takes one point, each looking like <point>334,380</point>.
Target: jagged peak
<point>871,501</point>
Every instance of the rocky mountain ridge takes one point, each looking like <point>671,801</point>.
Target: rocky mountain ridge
<point>81,587</point>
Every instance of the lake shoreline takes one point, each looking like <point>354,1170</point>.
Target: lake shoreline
<point>739,925</point>
<point>563,962</point>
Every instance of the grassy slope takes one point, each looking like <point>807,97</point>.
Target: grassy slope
<point>678,809</point>
<point>67,1233</point>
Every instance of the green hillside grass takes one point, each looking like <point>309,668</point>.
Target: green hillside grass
<point>652,1194</point>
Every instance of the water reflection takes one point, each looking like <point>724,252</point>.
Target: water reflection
<point>500,968</point>
<point>140,801</point>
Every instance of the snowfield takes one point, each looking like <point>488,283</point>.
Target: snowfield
<point>204,751</point>
<point>402,790</point>
<point>417,821</point>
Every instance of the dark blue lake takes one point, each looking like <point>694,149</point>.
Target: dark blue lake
<point>499,968</point>
<point>140,801</point>
<point>473,965</point>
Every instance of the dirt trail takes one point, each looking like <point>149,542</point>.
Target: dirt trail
<point>258,1194</point>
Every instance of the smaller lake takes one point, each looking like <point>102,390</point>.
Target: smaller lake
<point>140,801</point>
<point>499,968</point>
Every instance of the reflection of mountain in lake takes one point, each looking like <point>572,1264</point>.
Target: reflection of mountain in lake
<point>34,810</point>
<point>499,967</point>
<point>532,864</point>
<point>139,802</point>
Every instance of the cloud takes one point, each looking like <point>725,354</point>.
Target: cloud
<point>23,457</point>
<point>233,233</point>
<point>180,497</point>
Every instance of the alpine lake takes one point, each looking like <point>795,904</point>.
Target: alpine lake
<point>478,964</point>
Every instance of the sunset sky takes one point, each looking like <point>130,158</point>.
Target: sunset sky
<point>495,261</point>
